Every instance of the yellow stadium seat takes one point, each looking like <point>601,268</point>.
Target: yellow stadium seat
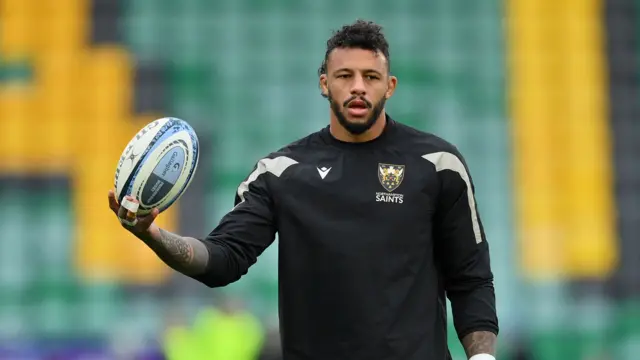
<point>63,26</point>
<point>558,104</point>
<point>17,27</point>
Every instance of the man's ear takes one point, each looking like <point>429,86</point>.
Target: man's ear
<point>324,88</point>
<point>391,86</point>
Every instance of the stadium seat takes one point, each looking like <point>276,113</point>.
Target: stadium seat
<point>17,35</point>
<point>60,26</point>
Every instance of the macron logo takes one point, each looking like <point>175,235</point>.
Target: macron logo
<point>323,171</point>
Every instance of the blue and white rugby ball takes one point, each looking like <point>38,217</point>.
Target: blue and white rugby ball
<point>158,164</point>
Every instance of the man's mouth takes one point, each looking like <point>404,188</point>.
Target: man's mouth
<point>357,108</point>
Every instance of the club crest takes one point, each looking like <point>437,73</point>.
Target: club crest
<point>390,176</point>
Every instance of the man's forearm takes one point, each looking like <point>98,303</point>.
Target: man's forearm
<point>183,254</point>
<point>480,342</point>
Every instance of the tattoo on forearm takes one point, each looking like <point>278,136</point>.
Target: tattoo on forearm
<point>184,254</point>
<point>176,247</point>
<point>479,342</point>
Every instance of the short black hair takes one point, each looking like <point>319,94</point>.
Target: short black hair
<point>361,34</point>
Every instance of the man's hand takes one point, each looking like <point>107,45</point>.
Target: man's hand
<point>140,226</point>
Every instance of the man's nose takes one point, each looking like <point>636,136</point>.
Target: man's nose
<point>357,86</point>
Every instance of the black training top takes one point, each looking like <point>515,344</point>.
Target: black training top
<point>371,238</point>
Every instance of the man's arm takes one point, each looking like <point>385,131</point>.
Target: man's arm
<point>186,255</point>
<point>463,253</point>
<point>480,342</point>
<point>246,231</point>
<point>235,244</point>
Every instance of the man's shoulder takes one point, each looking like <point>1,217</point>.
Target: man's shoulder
<point>289,155</point>
<point>300,147</point>
<point>424,142</point>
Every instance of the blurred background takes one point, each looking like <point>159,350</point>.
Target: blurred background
<point>541,96</point>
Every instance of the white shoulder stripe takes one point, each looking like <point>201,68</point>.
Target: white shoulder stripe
<point>276,166</point>
<point>448,161</point>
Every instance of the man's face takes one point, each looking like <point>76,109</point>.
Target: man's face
<point>357,84</point>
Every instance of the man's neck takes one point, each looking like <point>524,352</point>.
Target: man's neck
<point>340,133</point>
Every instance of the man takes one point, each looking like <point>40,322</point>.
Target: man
<point>377,222</point>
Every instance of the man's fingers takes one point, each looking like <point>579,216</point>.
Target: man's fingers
<point>130,204</point>
<point>128,210</point>
<point>122,212</point>
<point>145,222</point>
<point>130,223</point>
<point>127,214</point>
<point>113,203</point>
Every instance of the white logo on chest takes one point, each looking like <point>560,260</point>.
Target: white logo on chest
<point>323,171</point>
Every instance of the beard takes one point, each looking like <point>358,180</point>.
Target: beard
<point>356,128</point>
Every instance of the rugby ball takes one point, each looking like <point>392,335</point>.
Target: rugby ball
<point>158,164</point>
